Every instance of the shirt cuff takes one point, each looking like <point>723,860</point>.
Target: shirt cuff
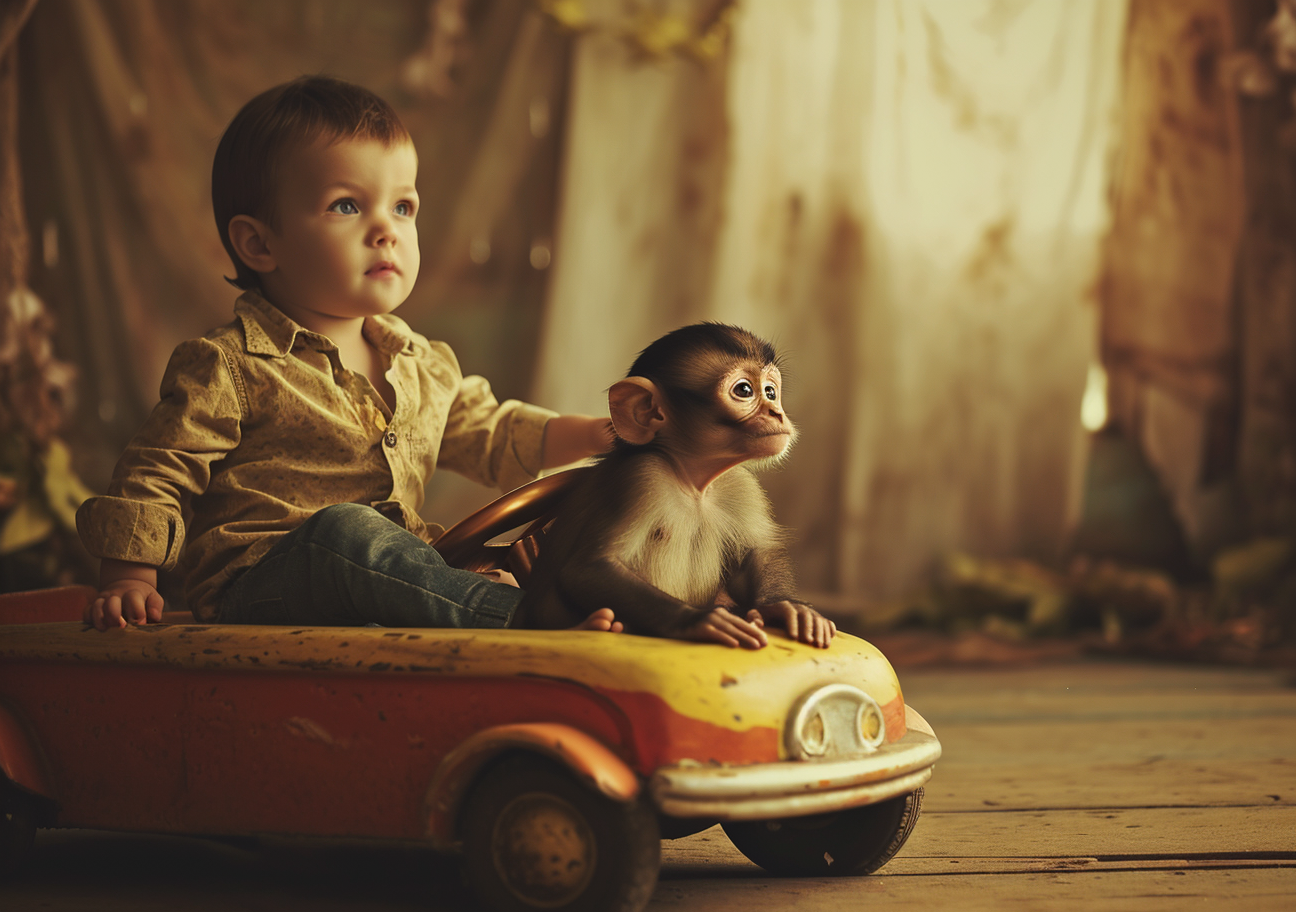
<point>128,530</point>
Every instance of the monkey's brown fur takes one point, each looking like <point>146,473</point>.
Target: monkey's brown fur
<point>671,529</point>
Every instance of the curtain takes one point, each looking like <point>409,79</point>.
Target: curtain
<point>909,196</point>
<point>124,102</point>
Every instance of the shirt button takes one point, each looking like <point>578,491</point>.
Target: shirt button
<point>390,438</point>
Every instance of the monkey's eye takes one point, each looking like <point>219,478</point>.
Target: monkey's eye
<point>771,392</point>
<point>744,390</point>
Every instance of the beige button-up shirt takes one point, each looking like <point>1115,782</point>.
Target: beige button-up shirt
<point>259,426</point>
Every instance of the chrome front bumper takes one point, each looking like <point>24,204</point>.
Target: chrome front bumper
<point>765,791</point>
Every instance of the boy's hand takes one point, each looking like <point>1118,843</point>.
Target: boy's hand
<point>127,595</point>
<point>799,620</point>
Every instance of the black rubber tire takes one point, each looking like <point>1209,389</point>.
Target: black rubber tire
<point>17,827</point>
<point>613,848</point>
<point>856,841</point>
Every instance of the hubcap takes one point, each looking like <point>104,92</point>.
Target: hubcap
<point>544,850</point>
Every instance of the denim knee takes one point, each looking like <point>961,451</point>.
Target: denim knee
<point>340,521</point>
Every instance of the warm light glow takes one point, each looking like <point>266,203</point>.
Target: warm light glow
<point>538,115</point>
<point>540,255</point>
<point>1093,408</point>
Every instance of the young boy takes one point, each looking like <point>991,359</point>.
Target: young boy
<point>298,438</point>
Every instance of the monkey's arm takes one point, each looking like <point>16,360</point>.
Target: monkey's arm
<point>604,581</point>
<point>764,575</point>
<point>763,585</point>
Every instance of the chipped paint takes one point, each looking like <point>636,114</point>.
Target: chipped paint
<point>312,731</point>
<point>690,678</point>
<point>343,731</point>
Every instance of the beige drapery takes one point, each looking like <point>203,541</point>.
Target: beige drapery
<point>935,308</point>
<point>909,195</point>
<point>123,104</point>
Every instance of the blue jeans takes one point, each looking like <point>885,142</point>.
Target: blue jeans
<point>350,565</point>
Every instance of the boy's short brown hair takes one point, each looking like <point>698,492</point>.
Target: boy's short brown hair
<point>245,171</point>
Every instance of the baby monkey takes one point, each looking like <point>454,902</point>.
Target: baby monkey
<point>671,529</point>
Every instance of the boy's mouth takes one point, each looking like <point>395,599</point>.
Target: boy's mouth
<point>379,270</point>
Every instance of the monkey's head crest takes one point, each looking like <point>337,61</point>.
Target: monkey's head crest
<point>714,390</point>
<point>690,357</point>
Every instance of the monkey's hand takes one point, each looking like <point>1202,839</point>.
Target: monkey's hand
<point>719,625</point>
<point>799,620</point>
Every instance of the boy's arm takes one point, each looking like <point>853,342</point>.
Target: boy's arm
<point>137,527</point>
<point>570,438</point>
<point>127,594</point>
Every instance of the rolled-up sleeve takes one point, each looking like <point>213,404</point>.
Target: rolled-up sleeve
<point>196,423</point>
<point>500,444</point>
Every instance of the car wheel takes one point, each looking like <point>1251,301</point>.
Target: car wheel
<point>17,828</point>
<point>536,838</point>
<point>855,841</point>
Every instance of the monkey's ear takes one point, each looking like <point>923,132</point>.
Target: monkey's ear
<point>637,409</point>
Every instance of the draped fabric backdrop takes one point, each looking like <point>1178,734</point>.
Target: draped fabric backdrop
<point>910,197</point>
<point>123,104</point>
<point>919,200</point>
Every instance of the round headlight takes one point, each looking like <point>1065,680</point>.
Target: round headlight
<point>814,734</point>
<point>871,727</point>
<point>836,720</point>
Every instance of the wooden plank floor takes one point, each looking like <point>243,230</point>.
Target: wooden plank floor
<point>1087,785</point>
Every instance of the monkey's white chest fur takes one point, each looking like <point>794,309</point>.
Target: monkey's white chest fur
<point>683,543</point>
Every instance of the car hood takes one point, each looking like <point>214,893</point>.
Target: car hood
<point>683,700</point>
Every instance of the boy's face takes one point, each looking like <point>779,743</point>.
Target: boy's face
<point>344,243</point>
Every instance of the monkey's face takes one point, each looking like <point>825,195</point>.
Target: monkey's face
<point>750,401</point>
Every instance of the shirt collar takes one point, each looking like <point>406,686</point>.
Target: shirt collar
<point>268,331</point>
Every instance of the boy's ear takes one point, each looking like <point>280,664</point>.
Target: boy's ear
<point>638,409</point>
<point>248,237</point>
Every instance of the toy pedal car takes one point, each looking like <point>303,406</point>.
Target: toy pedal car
<point>554,761</point>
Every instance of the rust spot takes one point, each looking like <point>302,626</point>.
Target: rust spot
<point>311,731</point>
<point>994,253</point>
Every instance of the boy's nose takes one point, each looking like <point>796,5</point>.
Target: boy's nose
<point>381,234</point>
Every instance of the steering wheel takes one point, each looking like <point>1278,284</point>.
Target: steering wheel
<point>468,544</point>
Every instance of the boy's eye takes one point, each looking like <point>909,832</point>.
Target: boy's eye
<point>404,208</point>
<point>345,207</point>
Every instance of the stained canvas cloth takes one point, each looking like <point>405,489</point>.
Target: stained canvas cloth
<point>909,197</point>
